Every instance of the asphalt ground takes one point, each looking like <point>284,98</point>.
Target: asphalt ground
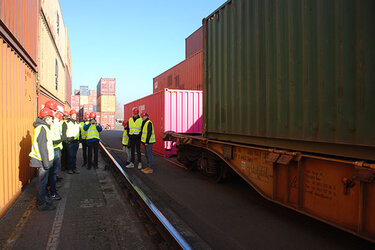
<point>93,214</point>
<point>230,215</point>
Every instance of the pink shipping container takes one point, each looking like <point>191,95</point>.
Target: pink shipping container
<point>93,93</point>
<point>92,99</point>
<point>194,43</point>
<point>75,100</point>
<point>176,110</point>
<point>76,107</point>
<point>107,120</point>
<point>185,75</point>
<point>106,86</point>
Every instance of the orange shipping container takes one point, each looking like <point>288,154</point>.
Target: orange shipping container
<point>185,75</point>
<point>107,120</point>
<point>21,19</point>
<point>18,110</point>
<point>106,103</point>
<point>92,99</point>
<point>83,99</point>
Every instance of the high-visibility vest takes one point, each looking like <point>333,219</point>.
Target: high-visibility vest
<point>35,152</point>
<point>56,130</point>
<point>93,132</point>
<point>144,133</point>
<point>83,132</point>
<point>125,138</point>
<point>135,127</point>
<point>73,130</point>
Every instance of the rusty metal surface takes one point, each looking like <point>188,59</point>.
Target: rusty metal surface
<point>292,74</point>
<point>18,110</point>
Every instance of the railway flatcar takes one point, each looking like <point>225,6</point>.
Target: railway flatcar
<point>289,97</point>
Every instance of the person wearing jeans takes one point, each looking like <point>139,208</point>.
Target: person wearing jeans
<point>93,129</point>
<point>71,129</point>
<point>148,139</point>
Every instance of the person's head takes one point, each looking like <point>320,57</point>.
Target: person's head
<point>46,115</point>
<point>144,115</point>
<point>65,115</point>
<point>135,112</point>
<point>73,114</point>
<point>124,123</point>
<point>52,106</point>
<point>59,116</point>
<point>86,117</point>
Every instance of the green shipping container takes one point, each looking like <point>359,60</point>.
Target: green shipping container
<point>292,74</point>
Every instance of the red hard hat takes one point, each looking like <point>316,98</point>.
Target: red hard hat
<point>58,116</point>
<point>144,113</point>
<point>73,111</point>
<point>135,111</point>
<point>124,123</point>
<point>86,116</point>
<point>92,115</point>
<point>51,105</point>
<point>45,112</point>
<point>66,113</point>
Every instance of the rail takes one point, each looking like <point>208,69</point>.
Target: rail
<point>174,234</point>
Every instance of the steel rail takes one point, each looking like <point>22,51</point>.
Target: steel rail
<point>161,218</point>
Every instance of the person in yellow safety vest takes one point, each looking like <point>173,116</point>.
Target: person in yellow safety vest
<point>56,131</point>
<point>125,141</point>
<point>148,139</point>
<point>82,138</point>
<point>135,124</point>
<point>42,155</point>
<point>64,151</point>
<point>70,130</point>
<point>93,129</point>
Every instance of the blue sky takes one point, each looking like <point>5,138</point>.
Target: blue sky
<point>133,41</point>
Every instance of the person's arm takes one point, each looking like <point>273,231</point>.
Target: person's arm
<point>99,127</point>
<point>149,131</point>
<point>86,126</point>
<point>63,135</point>
<point>42,142</point>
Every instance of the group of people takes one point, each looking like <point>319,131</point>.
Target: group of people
<point>56,140</point>
<point>137,130</point>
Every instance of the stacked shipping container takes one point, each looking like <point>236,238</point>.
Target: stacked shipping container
<point>18,101</point>
<point>194,43</point>
<point>106,101</point>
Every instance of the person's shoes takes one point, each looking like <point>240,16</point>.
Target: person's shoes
<point>130,165</point>
<point>46,207</point>
<point>140,165</point>
<point>56,197</point>
<point>84,165</point>
<point>143,170</point>
<point>76,171</point>
<point>70,172</point>
<point>58,178</point>
<point>148,171</point>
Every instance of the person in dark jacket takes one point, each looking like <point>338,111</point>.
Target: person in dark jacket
<point>42,155</point>
<point>64,151</point>
<point>70,131</point>
<point>148,139</point>
<point>93,129</point>
<point>135,124</point>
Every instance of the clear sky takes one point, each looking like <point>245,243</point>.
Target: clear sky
<point>133,41</point>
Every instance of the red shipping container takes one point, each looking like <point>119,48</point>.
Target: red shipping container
<point>194,43</point>
<point>93,93</point>
<point>185,75</point>
<point>68,86</point>
<point>21,19</point>
<point>107,120</point>
<point>176,110</point>
<point>92,99</point>
<point>75,100</point>
<point>106,86</point>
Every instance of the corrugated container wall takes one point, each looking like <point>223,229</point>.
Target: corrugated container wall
<point>54,18</point>
<point>292,74</point>
<point>68,86</point>
<point>107,120</point>
<point>75,100</point>
<point>92,100</point>
<point>185,75</point>
<point>68,59</point>
<point>68,70</point>
<point>84,92</point>
<point>194,43</point>
<point>51,69</point>
<point>20,18</point>
<point>83,99</point>
<point>106,86</point>
<point>176,110</point>
<point>18,108</point>
<point>106,103</point>
<point>93,93</point>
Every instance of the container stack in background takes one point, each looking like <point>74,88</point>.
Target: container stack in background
<point>102,101</point>
<point>176,102</point>
<point>106,101</point>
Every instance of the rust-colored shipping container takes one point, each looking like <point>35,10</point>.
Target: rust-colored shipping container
<point>185,75</point>
<point>106,86</point>
<point>106,103</point>
<point>92,99</point>
<point>93,93</point>
<point>20,19</point>
<point>18,109</point>
<point>43,98</point>
<point>107,120</point>
<point>170,109</point>
<point>75,100</point>
<point>194,43</point>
